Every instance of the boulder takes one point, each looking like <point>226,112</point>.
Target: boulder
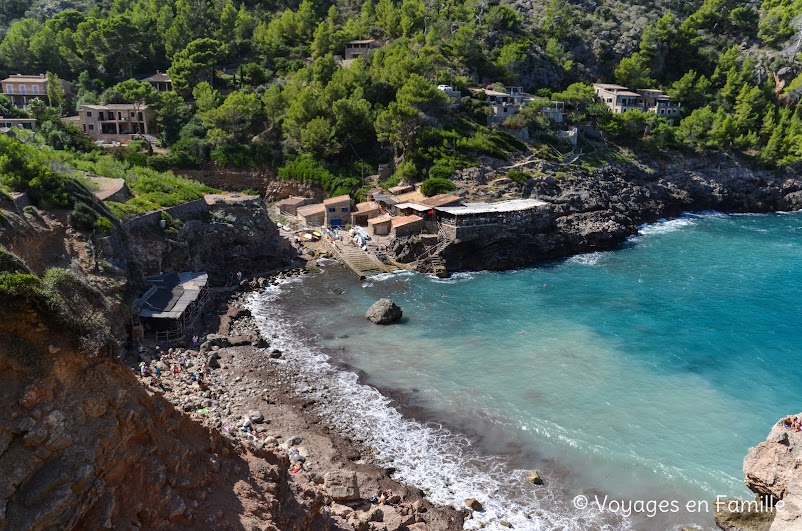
<point>384,311</point>
<point>473,504</point>
<point>534,478</point>
<point>342,486</point>
<point>256,416</point>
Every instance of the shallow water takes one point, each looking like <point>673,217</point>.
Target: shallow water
<point>640,374</point>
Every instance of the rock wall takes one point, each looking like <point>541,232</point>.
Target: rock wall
<point>84,445</point>
<point>221,238</point>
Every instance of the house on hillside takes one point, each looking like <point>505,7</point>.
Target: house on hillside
<point>22,89</point>
<point>620,99</point>
<point>21,123</point>
<point>657,101</point>
<point>359,48</point>
<point>160,81</point>
<point>116,121</point>
<point>502,104</point>
<point>170,306</point>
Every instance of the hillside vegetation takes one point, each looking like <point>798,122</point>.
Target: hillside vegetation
<point>258,84</point>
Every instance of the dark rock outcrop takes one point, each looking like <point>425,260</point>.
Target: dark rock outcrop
<point>599,209</point>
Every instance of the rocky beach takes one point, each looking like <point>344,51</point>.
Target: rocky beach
<point>238,385</point>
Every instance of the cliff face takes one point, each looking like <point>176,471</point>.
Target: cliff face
<point>774,469</point>
<point>598,210</point>
<point>84,445</point>
<point>225,237</point>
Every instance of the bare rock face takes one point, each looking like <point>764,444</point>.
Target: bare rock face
<point>776,463</point>
<point>342,486</point>
<point>384,311</point>
<point>773,471</point>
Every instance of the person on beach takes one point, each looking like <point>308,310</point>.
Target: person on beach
<point>239,277</point>
<point>176,370</point>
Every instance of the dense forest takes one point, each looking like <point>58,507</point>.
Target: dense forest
<point>258,83</point>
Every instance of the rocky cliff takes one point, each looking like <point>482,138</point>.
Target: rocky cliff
<point>598,210</point>
<point>84,445</point>
<point>773,471</point>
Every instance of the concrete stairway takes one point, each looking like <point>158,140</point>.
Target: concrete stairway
<point>359,261</point>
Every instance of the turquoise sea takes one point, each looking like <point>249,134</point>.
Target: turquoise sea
<point>641,374</point>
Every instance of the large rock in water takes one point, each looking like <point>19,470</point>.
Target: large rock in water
<point>384,311</point>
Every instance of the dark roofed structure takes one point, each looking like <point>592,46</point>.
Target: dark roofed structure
<point>172,302</point>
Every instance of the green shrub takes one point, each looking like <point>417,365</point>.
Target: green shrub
<point>20,285</point>
<point>436,185</point>
<point>103,225</point>
<point>83,216</point>
<point>519,176</point>
<point>11,263</point>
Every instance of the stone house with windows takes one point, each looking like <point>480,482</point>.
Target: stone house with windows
<point>338,210</point>
<point>116,121</point>
<point>22,89</point>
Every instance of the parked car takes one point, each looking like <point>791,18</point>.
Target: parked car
<point>444,87</point>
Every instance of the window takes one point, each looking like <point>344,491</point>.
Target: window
<point>91,127</point>
<point>344,209</point>
<point>101,117</point>
<point>23,89</point>
<point>332,209</point>
<point>10,89</point>
<point>36,89</point>
<point>88,114</point>
<point>119,115</point>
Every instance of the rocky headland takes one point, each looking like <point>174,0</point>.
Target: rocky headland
<point>598,210</point>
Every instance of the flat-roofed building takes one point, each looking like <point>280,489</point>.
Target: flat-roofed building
<point>618,99</point>
<point>473,219</point>
<point>21,89</point>
<point>116,121</point>
<point>21,123</point>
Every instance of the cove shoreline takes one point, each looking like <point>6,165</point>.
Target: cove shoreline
<point>403,402</point>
